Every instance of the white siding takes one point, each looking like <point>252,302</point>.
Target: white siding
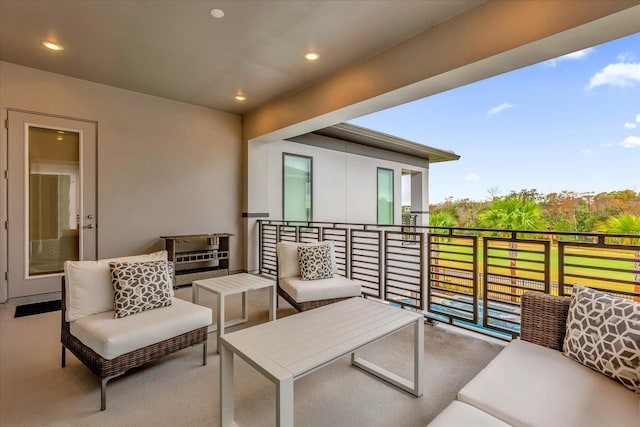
<point>344,185</point>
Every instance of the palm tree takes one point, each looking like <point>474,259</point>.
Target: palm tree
<point>625,224</point>
<point>439,219</point>
<point>512,213</point>
<point>442,219</point>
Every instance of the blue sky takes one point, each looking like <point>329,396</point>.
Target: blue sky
<point>572,124</point>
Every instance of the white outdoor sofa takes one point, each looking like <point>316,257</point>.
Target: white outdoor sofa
<point>532,383</point>
<point>308,294</point>
<point>110,346</point>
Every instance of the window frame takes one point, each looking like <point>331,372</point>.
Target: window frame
<point>284,156</point>
<point>393,195</point>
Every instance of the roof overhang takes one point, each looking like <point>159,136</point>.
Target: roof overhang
<point>370,138</point>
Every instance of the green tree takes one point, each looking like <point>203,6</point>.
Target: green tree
<point>623,224</point>
<point>439,219</point>
<point>512,213</point>
<point>442,219</point>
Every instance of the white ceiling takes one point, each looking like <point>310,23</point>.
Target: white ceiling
<point>176,50</point>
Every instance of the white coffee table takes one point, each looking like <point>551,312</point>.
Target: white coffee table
<point>291,347</point>
<point>229,285</point>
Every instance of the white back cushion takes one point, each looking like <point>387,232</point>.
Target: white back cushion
<point>88,284</point>
<point>287,254</point>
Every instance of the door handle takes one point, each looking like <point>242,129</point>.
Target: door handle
<point>89,226</point>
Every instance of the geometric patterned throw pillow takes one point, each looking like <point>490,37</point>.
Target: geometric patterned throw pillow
<point>603,333</point>
<point>139,286</point>
<point>315,262</point>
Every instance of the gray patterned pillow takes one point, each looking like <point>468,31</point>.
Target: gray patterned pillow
<point>139,286</point>
<point>315,262</point>
<point>603,333</point>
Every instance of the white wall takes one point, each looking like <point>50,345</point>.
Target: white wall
<point>164,167</point>
<point>344,184</point>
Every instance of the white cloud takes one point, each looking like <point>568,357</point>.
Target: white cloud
<point>498,108</point>
<point>586,151</point>
<point>630,142</point>
<point>617,75</point>
<point>638,117</point>
<point>607,145</point>
<point>573,56</point>
<point>629,125</point>
<point>626,57</point>
<point>472,177</point>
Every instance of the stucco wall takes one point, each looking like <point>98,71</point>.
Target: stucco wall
<point>164,167</point>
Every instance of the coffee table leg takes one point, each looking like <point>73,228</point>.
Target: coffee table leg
<point>226,387</point>
<point>418,357</point>
<point>245,307</point>
<point>220,319</point>
<point>195,296</point>
<point>284,402</point>
<point>272,303</point>
<point>414,387</point>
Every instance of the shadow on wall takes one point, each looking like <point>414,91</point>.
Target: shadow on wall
<point>152,246</point>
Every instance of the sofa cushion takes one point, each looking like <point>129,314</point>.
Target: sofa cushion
<point>287,254</point>
<point>88,285</point>
<point>139,286</point>
<point>111,337</point>
<point>527,384</point>
<point>315,262</point>
<point>314,290</point>
<point>459,414</point>
<point>603,333</point>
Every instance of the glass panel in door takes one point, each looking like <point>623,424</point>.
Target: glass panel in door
<point>53,199</point>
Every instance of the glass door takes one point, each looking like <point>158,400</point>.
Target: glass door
<point>51,199</point>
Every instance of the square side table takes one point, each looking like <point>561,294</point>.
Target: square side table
<point>229,285</point>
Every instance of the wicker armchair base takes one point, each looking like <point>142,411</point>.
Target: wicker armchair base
<point>304,306</point>
<point>109,369</point>
<point>543,319</point>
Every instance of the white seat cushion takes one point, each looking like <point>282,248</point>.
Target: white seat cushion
<point>459,414</point>
<point>527,384</point>
<point>314,290</point>
<point>110,337</point>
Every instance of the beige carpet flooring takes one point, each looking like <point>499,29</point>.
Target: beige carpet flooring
<point>179,391</point>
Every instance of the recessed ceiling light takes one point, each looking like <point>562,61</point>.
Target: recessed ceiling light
<point>240,97</point>
<point>312,56</point>
<point>52,46</point>
<point>216,13</point>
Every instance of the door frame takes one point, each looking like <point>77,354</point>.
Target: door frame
<point>4,189</point>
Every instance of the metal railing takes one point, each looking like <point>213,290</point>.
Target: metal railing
<point>472,278</point>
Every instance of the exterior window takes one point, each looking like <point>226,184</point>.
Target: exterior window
<point>296,187</point>
<point>385,196</point>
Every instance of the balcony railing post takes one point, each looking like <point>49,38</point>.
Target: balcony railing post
<point>561,262</point>
<point>260,253</point>
<point>423,289</point>
<point>381,265</point>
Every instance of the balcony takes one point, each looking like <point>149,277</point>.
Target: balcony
<point>469,278</point>
<point>448,274</point>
